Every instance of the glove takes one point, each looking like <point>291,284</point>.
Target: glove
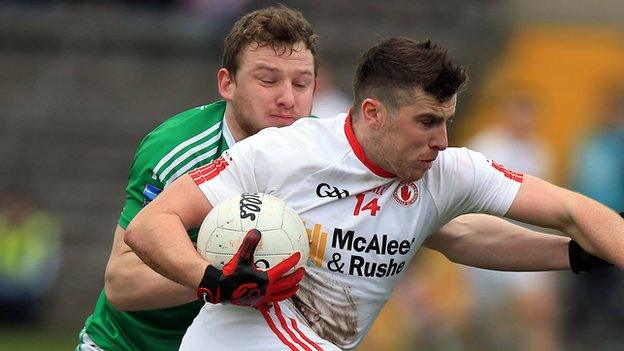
<point>241,283</point>
<point>582,261</point>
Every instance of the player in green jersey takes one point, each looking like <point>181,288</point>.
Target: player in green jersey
<point>268,79</point>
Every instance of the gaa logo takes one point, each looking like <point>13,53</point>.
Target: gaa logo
<point>326,190</point>
<point>406,193</point>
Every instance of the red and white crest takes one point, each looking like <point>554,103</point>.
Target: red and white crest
<point>406,193</point>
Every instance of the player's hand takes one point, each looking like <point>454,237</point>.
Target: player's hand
<point>582,261</point>
<point>241,283</point>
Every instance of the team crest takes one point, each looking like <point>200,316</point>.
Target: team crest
<point>406,193</point>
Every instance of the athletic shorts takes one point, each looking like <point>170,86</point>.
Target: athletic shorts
<point>85,343</point>
<point>230,327</point>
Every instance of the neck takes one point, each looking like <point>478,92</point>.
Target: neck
<point>366,146</point>
<point>359,130</point>
<point>237,132</point>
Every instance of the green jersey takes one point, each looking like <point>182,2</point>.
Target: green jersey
<point>183,142</point>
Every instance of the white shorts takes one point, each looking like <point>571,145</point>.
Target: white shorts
<point>230,327</point>
<point>85,343</point>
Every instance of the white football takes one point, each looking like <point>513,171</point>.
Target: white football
<point>224,228</point>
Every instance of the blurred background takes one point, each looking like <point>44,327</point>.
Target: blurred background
<point>81,82</point>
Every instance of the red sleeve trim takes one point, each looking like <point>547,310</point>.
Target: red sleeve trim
<point>206,172</point>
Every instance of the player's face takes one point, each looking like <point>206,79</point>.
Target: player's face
<point>270,89</point>
<point>414,135</point>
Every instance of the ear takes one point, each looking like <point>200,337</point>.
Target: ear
<point>373,113</point>
<point>226,84</point>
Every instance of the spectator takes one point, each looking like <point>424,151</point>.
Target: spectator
<point>513,142</point>
<point>29,256</point>
<point>521,307</point>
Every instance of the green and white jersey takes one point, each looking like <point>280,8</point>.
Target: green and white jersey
<point>182,143</point>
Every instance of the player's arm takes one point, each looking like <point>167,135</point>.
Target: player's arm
<point>490,242</point>
<point>598,229</point>
<point>130,284</point>
<point>157,234</point>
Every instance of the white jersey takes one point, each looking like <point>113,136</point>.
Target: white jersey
<point>364,223</point>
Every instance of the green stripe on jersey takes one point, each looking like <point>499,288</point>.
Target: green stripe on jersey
<point>206,140</point>
<point>183,142</point>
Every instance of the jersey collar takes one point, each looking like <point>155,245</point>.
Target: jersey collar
<point>229,139</point>
<point>359,152</point>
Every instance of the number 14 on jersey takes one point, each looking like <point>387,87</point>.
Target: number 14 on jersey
<point>371,206</point>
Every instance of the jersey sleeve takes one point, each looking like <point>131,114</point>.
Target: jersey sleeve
<point>467,182</point>
<point>142,186</point>
<point>230,174</point>
<point>185,141</point>
<point>260,163</point>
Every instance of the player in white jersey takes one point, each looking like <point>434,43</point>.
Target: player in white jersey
<point>370,222</point>
<point>372,187</point>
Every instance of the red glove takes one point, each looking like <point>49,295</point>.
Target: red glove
<point>241,283</point>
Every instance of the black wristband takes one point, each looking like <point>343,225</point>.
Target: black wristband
<point>582,261</point>
<point>209,286</point>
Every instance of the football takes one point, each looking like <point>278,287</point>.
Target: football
<point>224,228</point>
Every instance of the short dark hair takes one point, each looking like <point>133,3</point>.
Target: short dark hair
<point>277,26</point>
<point>392,69</point>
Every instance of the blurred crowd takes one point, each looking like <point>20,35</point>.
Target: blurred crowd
<point>204,6</point>
<point>30,256</point>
